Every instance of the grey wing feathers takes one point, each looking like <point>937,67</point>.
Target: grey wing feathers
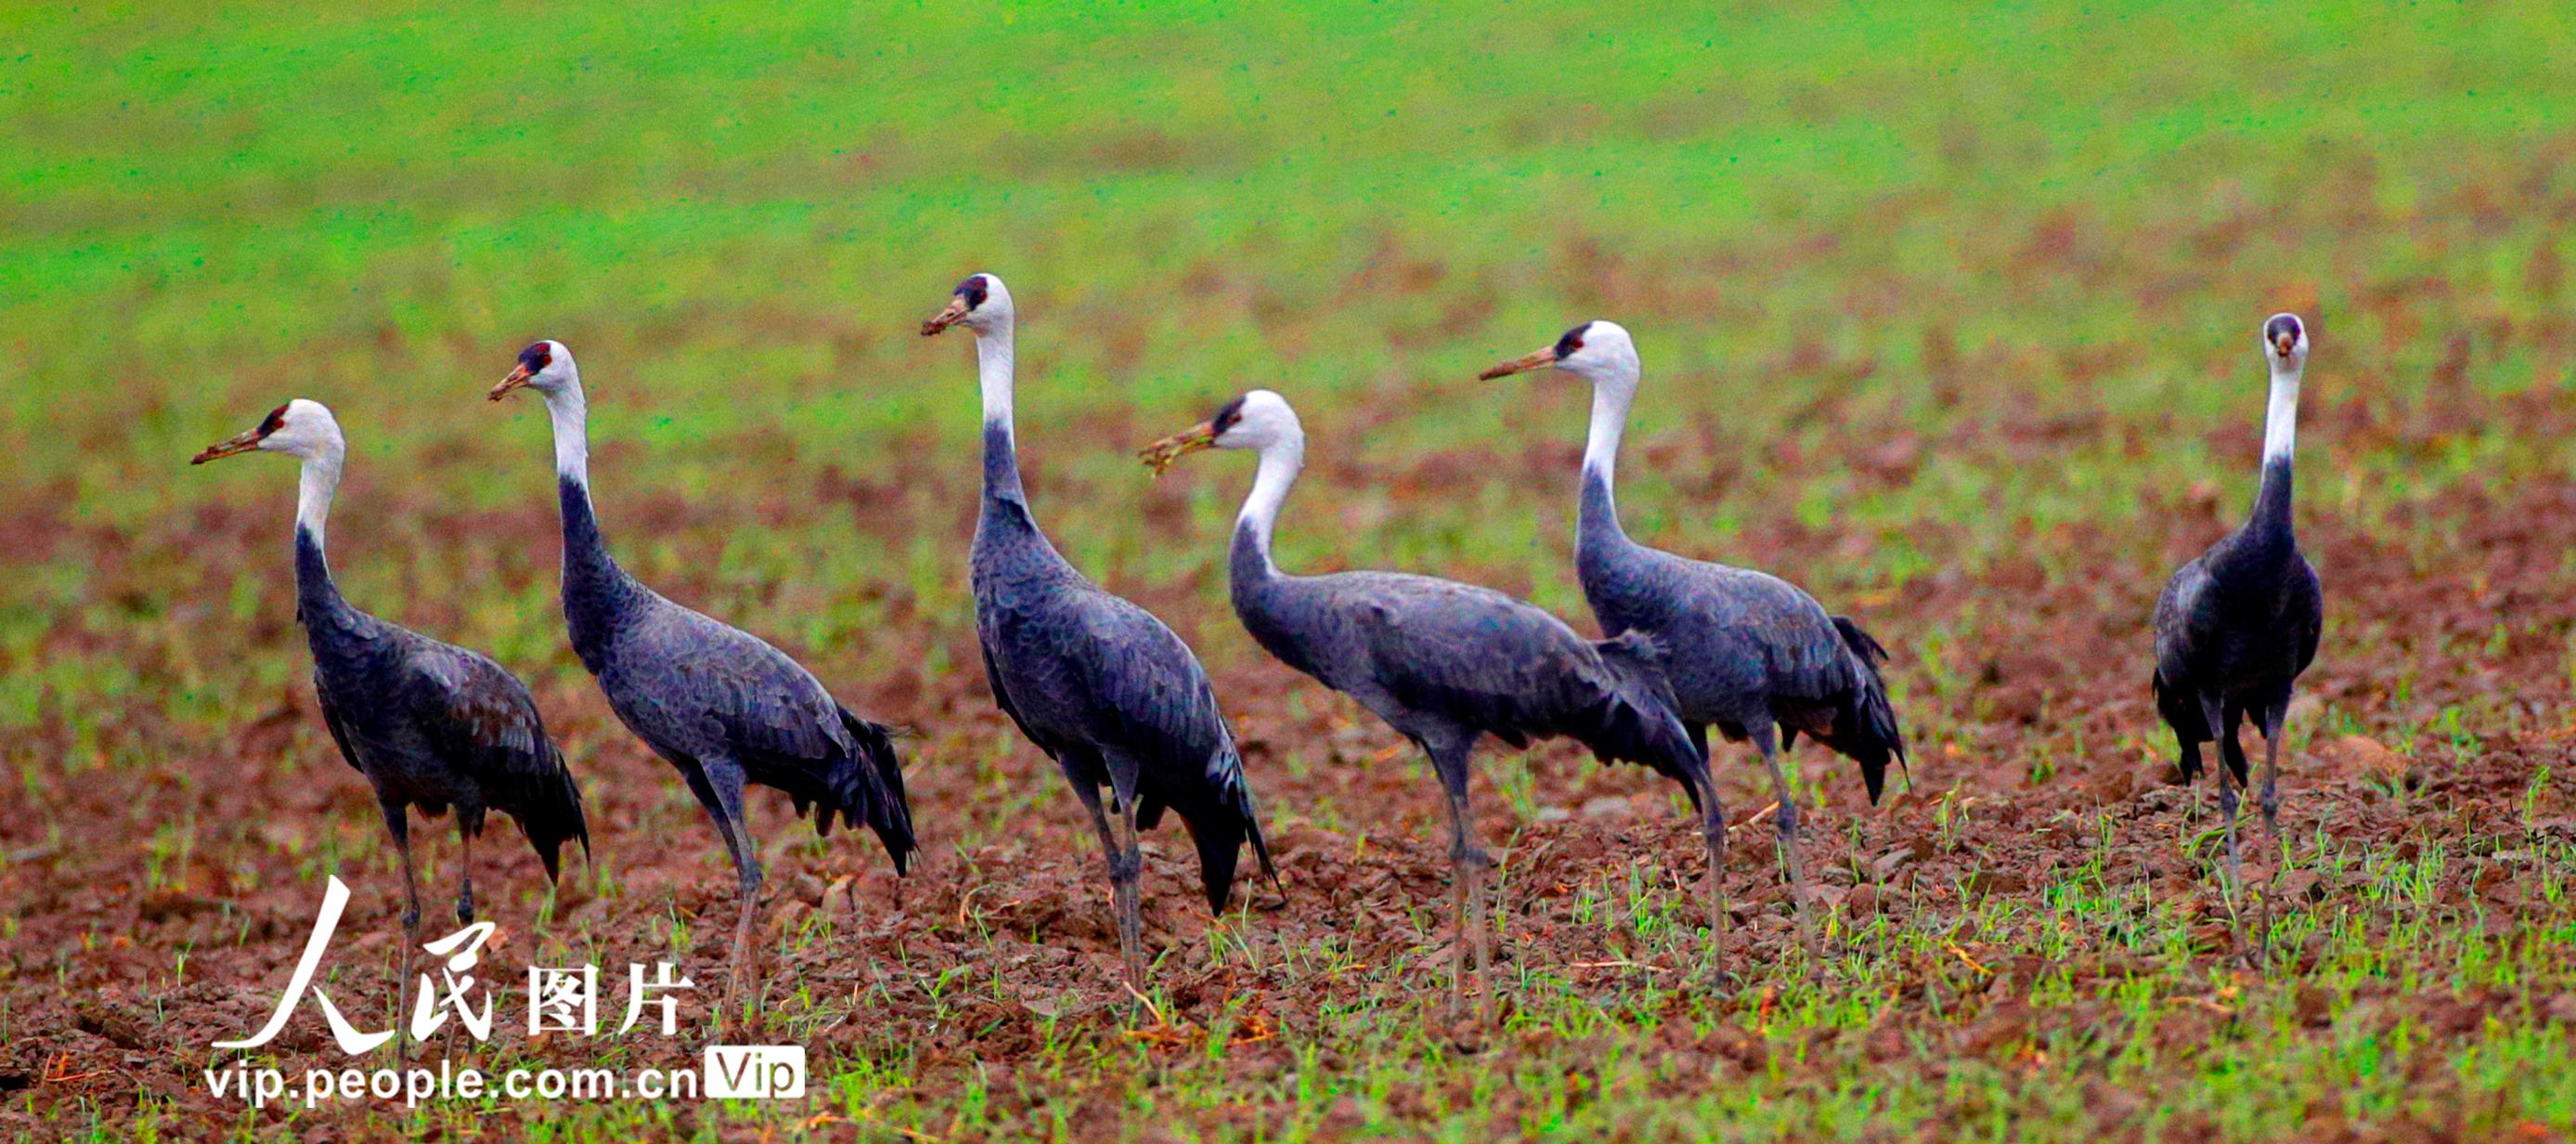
<point>1164,712</point>
<point>1639,725</point>
<point>761,709</point>
<point>2310,606</point>
<point>481,718</point>
<point>1516,672</point>
<point>1002,696</point>
<point>1818,674</point>
<point>1863,725</point>
<point>2177,695</point>
<point>339,730</point>
<point>2178,612</point>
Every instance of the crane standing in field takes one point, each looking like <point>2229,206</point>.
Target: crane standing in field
<point>1099,684</point>
<point>1445,663</point>
<point>715,702</point>
<point>1747,652</point>
<point>429,724</point>
<point>2237,625</point>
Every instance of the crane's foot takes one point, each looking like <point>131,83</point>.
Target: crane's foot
<point>1801,896</point>
<point>1126,871</point>
<point>402,987</point>
<point>742,976</point>
<point>1480,905</point>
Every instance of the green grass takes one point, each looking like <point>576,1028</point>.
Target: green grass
<point>2026,247</point>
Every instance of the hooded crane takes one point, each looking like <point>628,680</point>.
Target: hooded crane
<point>1747,652</point>
<point>1444,663</point>
<point>2237,625</point>
<point>431,725</point>
<point>715,702</point>
<point>1099,684</point>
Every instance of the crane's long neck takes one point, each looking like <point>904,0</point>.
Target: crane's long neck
<point>1001,450</point>
<point>316,596</point>
<point>1597,524</point>
<point>2280,445</point>
<point>588,568</point>
<point>1281,460</point>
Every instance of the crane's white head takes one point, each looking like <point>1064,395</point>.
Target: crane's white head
<point>980,303</point>
<point>1598,352</point>
<point>545,366</point>
<point>2285,341</point>
<point>1257,420</point>
<point>299,428</point>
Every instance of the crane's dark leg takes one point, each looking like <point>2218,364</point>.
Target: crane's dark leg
<point>2270,721</point>
<point>1128,875</point>
<point>1122,877</point>
<point>1765,738</point>
<point>1712,830</point>
<point>2231,756</point>
<point>465,871</point>
<point>1469,862</point>
<point>722,790</point>
<point>398,822</point>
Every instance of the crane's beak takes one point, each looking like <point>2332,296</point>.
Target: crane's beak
<point>1521,364</point>
<point>232,447</point>
<point>519,376</point>
<point>949,315</point>
<point>1160,455</point>
<point>2285,346</point>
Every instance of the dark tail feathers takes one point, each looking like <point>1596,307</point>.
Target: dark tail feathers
<point>2180,706</point>
<point>1220,816</point>
<point>867,788</point>
<point>1866,728</point>
<point>1639,725</point>
<point>552,814</point>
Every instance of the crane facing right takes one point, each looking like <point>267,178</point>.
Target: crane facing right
<point>2237,625</point>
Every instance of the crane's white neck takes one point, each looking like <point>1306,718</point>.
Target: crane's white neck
<point>2281,420</point>
<point>1611,397</point>
<point>993,352</point>
<point>320,479</point>
<point>570,412</point>
<point>1281,460</point>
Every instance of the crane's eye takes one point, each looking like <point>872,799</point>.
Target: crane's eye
<point>276,421</point>
<point>1227,417</point>
<point>536,357</point>
<point>2283,327</point>
<point>972,290</point>
<point>1571,342</point>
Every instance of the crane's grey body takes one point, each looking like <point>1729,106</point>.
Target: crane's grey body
<point>1745,651</point>
<point>432,726</point>
<point>2238,624</point>
<point>1109,692</point>
<point>1445,663</point>
<point>1105,689</point>
<point>720,705</point>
